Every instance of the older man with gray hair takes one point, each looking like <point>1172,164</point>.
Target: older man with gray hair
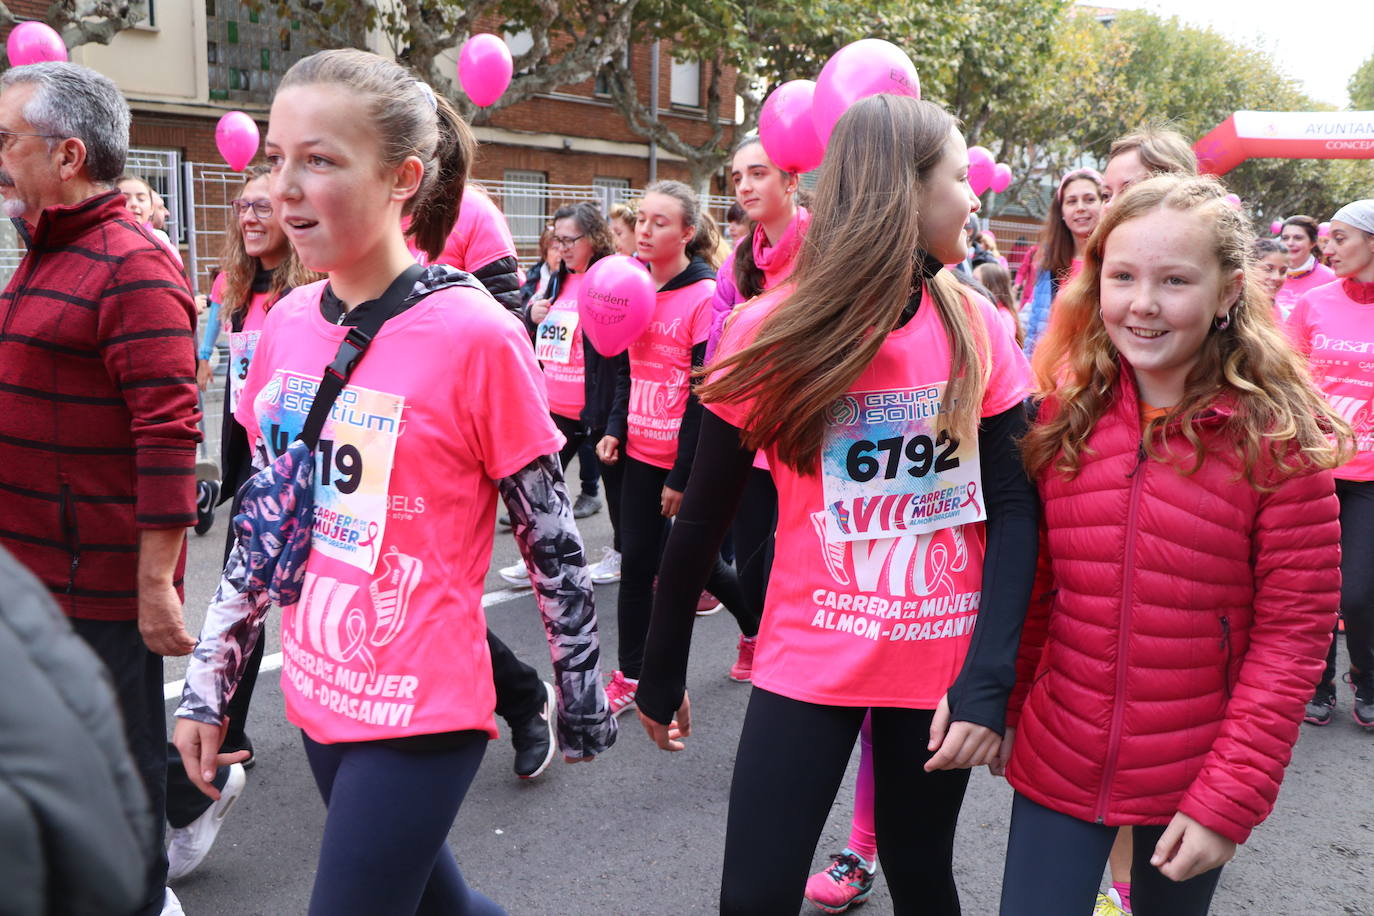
<point>98,407</point>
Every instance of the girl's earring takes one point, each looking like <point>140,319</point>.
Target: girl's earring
<point>1223,322</point>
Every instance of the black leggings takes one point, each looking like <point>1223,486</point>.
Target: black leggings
<point>385,846</point>
<point>644,531</point>
<point>577,435</point>
<point>792,757</point>
<point>756,520</point>
<point>1357,576</point>
<point>1054,868</point>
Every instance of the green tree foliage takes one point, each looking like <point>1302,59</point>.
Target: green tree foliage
<point>1361,87</point>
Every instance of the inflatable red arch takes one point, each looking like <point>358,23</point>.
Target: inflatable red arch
<point>1286,135</point>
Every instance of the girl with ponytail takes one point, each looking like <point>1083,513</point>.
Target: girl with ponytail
<point>888,401</point>
<point>445,408</point>
<point>653,426</point>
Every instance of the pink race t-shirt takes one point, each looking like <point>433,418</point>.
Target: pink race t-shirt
<point>558,345</point>
<point>480,236</point>
<point>1336,334</point>
<point>243,342</point>
<point>389,638</point>
<point>852,620</point>
<point>1297,285</point>
<point>661,371</point>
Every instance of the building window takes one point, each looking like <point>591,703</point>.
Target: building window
<point>248,52</point>
<point>611,191</point>
<point>686,83</point>
<point>525,198</point>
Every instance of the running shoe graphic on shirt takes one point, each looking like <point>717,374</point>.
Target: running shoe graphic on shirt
<point>391,593</point>
<point>915,565</point>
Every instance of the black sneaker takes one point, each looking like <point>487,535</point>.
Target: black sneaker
<point>207,495</point>
<point>534,740</point>
<point>1363,710</point>
<point>1322,704</point>
<point>585,506</point>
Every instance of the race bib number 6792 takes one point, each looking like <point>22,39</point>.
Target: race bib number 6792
<point>890,466</point>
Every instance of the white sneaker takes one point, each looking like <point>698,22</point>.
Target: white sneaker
<point>189,845</point>
<point>516,574</point>
<point>171,906</point>
<point>608,570</point>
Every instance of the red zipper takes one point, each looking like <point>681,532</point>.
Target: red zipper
<point>1128,575</point>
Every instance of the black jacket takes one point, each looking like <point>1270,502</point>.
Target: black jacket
<point>78,833</point>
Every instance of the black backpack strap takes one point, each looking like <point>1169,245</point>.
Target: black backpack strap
<point>354,345</point>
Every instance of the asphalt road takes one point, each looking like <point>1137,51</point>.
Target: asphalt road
<point>640,831</point>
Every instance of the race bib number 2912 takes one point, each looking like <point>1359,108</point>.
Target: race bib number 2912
<point>890,466</point>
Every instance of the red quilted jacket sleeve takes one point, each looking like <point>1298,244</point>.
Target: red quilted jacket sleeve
<point>1296,558</point>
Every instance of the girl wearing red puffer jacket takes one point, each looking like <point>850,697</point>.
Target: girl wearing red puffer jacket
<point>1190,562</point>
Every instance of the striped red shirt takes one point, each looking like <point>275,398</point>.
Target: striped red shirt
<point>98,408</point>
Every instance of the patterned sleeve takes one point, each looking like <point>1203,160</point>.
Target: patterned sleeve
<point>542,521</point>
<point>233,625</point>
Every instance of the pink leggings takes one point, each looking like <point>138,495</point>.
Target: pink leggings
<point>863,837</point>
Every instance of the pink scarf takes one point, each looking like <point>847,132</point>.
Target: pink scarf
<point>776,261</point>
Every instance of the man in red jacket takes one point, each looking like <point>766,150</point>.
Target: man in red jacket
<point>98,409</point>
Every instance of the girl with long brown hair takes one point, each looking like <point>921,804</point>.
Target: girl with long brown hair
<point>1188,584</point>
<point>887,401</point>
<point>1074,212</point>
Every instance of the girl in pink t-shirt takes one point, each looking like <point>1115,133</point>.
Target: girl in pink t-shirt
<point>655,419</point>
<point>386,668</point>
<point>888,402</point>
<point>1305,272</point>
<point>761,260</point>
<point>1333,326</point>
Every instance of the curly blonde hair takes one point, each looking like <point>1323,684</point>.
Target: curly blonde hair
<point>1278,420</point>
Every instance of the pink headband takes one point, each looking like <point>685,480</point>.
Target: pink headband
<point>1074,175</point>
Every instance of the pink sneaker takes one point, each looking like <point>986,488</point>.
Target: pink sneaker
<point>847,882</point>
<point>708,604</point>
<point>620,693</point>
<point>743,668</point>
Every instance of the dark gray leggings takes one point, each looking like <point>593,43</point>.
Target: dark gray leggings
<point>1054,867</point>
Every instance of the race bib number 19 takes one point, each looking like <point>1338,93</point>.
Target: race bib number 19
<point>553,341</point>
<point>891,467</point>
<point>353,460</point>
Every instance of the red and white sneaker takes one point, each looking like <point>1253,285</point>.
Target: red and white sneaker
<point>620,693</point>
<point>708,604</point>
<point>743,668</point>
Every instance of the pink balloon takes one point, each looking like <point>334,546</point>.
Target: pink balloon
<point>787,130</point>
<point>981,166</point>
<point>485,68</point>
<point>869,66</point>
<point>34,42</point>
<point>236,136</point>
<point>1276,226</point>
<point>616,303</point>
<point>1001,177</point>
<point>1323,230</point>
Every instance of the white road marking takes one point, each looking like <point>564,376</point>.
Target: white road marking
<point>172,689</point>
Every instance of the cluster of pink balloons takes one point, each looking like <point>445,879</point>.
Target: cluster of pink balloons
<point>985,173</point>
<point>484,68</point>
<point>33,43</point>
<point>236,137</point>
<point>798,117</point>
